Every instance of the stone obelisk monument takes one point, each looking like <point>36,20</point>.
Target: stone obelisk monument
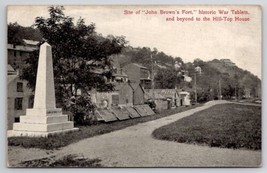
<point>44,118</point>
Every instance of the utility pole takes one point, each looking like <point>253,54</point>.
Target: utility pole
<point>220,89</point>
<point>235,93</point>
<point>195,75</point>
<point>152,79</point>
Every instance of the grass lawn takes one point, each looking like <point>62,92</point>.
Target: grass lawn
<point>57,141</point>
<point>228,126</point>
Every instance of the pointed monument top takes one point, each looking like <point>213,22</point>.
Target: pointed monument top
<point>45,44</point>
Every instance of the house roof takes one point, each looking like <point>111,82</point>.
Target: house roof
<point>157,96</point>
<point>10,68</point>
<point>10,78</point>
<point>161,66</point>
<point>21,48</point>
<point>138,65</point>
<point>186,90</point>
<point>167,93</point>
<point>31,42</point>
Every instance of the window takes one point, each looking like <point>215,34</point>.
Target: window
<point>18,103</point>
<point>15,53</point>
<point>31,101</point>
<point>16,120</point>
<point>19,87</point>
<point>20,53</point>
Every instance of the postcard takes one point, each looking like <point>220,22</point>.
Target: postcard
<point>134,86</point>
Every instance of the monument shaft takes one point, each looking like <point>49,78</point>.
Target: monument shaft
<point>44,89</point>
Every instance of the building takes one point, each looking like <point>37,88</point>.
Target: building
<point>138,74</point>
<point>228,62</point>
<point>125,94</point>
<point>17,54</point>
<point>119,76</point>
<point>138,93</point>
<point>184,98</point>
<point>160,101</point>
<point>31,43</point>
<point>171,95</point>
<point>104,99</point>
<point>19,97</point>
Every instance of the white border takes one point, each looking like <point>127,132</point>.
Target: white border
<point>3,61</point>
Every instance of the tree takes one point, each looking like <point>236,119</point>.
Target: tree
<point>17,33</point>
<point>14,33</point>
<point>165,78</point>
<point>81,57</point>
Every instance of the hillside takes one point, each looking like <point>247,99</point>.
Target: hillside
<point>223,73</point>
<point>233,80</point>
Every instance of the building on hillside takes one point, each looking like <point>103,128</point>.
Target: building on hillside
<point>228,62</point>
<point>19,97</point>
<point>138,74</point>
<point>17,54</point>
<point>31,43</point>
<point>138,93</point>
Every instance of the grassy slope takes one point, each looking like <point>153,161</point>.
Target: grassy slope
<point>227,126</point>
<point>58,141</point>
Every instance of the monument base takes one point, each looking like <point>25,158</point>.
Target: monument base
<point>47,123</point>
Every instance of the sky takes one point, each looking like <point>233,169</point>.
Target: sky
<point>241,42</point>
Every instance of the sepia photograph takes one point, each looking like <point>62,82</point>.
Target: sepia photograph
<point>134,86</point>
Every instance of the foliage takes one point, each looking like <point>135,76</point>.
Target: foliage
<point>228,126</point>
<point>81,57</point>
<point>166,78</point>
<point>16,34</point>
<point>82,110</point>
<point>66,161</point>
<point>57,141</point>
<point>151,104</point>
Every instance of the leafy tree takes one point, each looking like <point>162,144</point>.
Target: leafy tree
<point>81,57</point>
<point>17,33</point>
<point>165,78</point>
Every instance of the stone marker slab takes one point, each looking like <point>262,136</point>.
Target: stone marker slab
<point>148,109</point>
<point>120,114</point>
<point>140,110</point>
<point>107,115</point>
<point>133,113</point>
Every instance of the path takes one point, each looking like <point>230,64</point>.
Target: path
<point>135,147</point>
